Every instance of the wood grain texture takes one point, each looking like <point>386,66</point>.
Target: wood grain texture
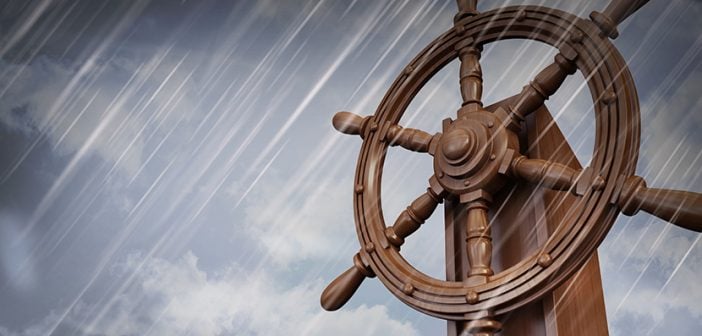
<point>522,219</point>
<point>577,307</point>
<point>474,154</point>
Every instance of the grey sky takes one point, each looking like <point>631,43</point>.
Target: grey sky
<point>169,167</point>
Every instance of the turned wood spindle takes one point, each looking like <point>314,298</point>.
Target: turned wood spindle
<point>545,84</point>
<point>479,253</point>
<point>478,240</point>
<point>616,12</point>
<point>345,285</point>
<point>350,123</point>
<point>682,208</point>
<point>412,218</point>
<point>409,138</point>
<point>552,175</point>
<point>471,76</point>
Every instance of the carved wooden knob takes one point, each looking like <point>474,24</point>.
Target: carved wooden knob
<point>345,285</point>
<point>682,208</point>
<point>350,123</point>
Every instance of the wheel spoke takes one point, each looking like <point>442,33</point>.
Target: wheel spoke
<point>616,12</point>
<point>471,76</point>
<point>557,176</point>
<point>345,285</point>
<point>682,208</point>
<point>478,239</point>
<point>414,216</point>
<point>545,84</point>
<point>408,138</point>
<point>411,139</point>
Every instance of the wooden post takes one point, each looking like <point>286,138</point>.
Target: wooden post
<point>529,215</point>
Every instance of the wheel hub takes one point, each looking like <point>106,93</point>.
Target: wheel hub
<point>470,152</point>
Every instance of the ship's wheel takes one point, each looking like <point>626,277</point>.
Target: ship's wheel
<point>478,154</point>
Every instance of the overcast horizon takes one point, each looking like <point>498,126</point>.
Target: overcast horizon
<point>170,168</point>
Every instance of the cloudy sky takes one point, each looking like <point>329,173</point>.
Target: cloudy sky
<point>169,167</point>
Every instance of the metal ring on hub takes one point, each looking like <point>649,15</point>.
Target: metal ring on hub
<point>569,247</point>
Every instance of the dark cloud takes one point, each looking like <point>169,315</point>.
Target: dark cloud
<point>188,95</point>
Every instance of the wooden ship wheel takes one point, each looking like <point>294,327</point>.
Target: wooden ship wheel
<point>488,154</point>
